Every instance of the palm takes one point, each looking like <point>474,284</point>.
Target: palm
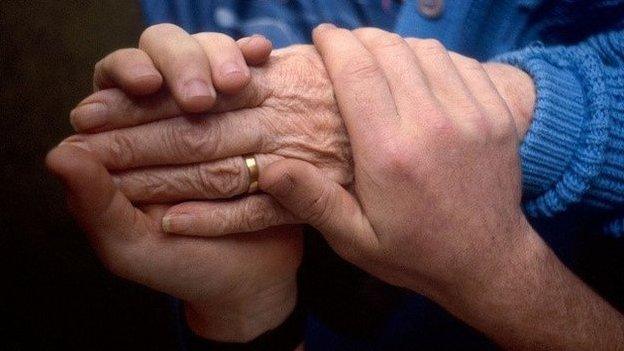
<point>203,269</point>
<point>131,242</point>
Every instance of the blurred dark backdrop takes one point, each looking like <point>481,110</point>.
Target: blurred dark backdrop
<point>54,295</point>
<point>53,292</point>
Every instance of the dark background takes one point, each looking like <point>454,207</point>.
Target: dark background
<point>54,294</point>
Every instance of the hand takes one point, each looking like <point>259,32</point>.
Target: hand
<point>435,205</point>
<point>243,285</point>
<point>190,65</point>
<point>437,178</point>
<point>288,111</point>
<point>234,288</point>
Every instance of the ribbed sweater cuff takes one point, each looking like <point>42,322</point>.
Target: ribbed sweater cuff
<point>574,149</point>
<point>549,147</point>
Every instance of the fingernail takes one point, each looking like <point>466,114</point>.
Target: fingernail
<point>89,116</point>
<point>324,26</point>
<point>197,88</point>
<point>176,223</point>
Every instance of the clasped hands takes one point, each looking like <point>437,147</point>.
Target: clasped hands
<point>402,154</point>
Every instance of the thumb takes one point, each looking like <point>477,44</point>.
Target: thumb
<point>98,206</point>
<point>315,199</point>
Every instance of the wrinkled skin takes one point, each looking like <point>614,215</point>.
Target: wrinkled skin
<point>217,274</point>
<point>288,111</point>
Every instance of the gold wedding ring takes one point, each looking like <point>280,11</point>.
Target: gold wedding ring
<point>252,169</point>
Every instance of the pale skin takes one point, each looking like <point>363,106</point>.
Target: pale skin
<point>279,98</point>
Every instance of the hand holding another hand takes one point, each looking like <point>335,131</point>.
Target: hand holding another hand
<point>437,181</point>
<point>435,202</point>
<point>424,192</point>
<point>234,288</point>
<point>287,110</point>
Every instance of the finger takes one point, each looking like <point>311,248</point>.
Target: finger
<point>313,198</point>
<point>113,109</point>
<point>227,64</point>
<point>256,49</point>
<point>483,90</point>
<point>243,215</point>
<point>132,70</point>
<point>400,67</point>
<point>183,64</point>
<point>444,80</point>
<point>101,209</point>
<point>220,179</point>
<point>177,141</point>
<point>361,90</point>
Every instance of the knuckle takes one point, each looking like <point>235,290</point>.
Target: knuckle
<point>194,140</point>
<point>360,69</point>
<point>121,149</point>
<point>381,39</point>
<point>471,65</point>
<point>399,164</point>
<point>213,37</point>
<point>222,180</point>
<point>328,34</point>
<point>392,40</point>
<point>430,47</point>
<point>122,56</point>
<point>154,187</point>
<point>397,160</point>
<point>156,31</point>
<point>257,215</point>
<point>411,41</point>
<point>503,130</point>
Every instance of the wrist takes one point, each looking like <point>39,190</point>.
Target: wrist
<point>242,320</point>
<point>516,87</point>
<point>500,270</point>
<point>529,300</point>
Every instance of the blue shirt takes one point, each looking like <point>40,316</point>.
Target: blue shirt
<point>572,155</point>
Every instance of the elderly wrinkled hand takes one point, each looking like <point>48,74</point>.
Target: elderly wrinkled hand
<point>234,287</point>
<point>287,110</point>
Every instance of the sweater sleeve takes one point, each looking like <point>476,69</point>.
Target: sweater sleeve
<point>573,153</point>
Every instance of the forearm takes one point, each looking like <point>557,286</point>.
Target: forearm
<point>534,302</point>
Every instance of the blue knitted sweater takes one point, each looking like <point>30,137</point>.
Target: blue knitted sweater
<point>573,154</point>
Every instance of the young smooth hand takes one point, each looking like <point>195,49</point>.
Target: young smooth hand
<point>435,204</point>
